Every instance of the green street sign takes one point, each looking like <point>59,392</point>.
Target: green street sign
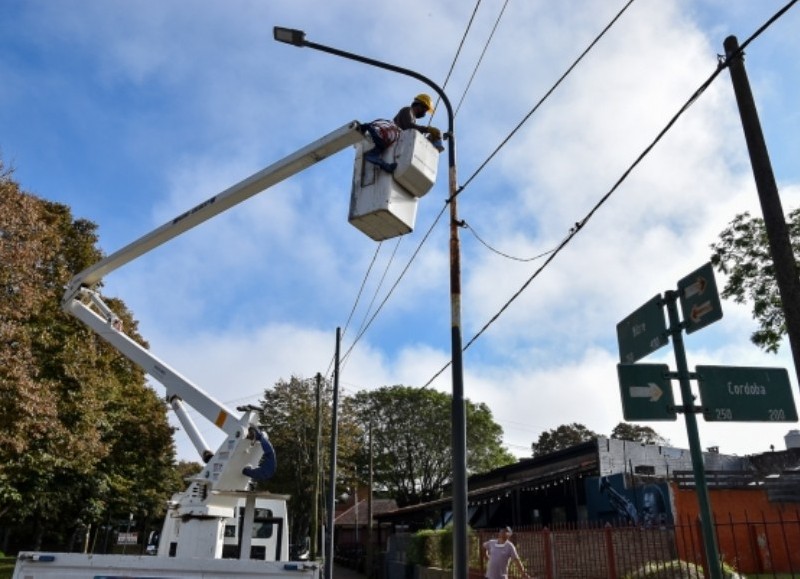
<point>642,332</point>
<point>646,392</point>
<point>730,393</point>
<point>700,303</point>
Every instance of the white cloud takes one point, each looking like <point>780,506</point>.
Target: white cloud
<point>156,109</point>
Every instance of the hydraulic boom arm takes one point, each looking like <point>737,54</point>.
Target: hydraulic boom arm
<point>86,304</point>
<point>256,183</point>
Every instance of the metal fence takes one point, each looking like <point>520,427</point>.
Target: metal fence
<point>751,545</point>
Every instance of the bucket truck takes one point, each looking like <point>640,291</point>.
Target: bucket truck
<point>219,527</point>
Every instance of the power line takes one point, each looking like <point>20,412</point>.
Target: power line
<point>498,252</point>
<point>380,284</point>
<point>374,297</point>
<point>361,289</point>
<point>365,324</point>
<point>458,52</point>
<point>722,64</point>
<point>480,59</point>
<point>552,89</point>
<point>545,97</point>
<point>505,141</point>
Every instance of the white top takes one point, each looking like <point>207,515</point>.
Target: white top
<point>500,555</point>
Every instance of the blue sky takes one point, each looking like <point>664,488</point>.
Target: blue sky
<point>131,113</point>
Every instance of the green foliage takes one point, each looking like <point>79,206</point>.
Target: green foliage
<point>676,569</point>
<point>667,570</point>
<point>7,566</point>
<point>417,551</point>
<point>638,433</point>
<point>411,440</point>
<point>82,437</point>
<point>568,435</point>
<point>187,469</point>
<point>485,450</point>
<point>562,437</point>
<point>743,254</point>
<point>290,420</point>
<point>432,548</point>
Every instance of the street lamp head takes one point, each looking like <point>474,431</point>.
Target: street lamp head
<point>289,36</point>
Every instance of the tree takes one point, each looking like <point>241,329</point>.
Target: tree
<point>290,421</point>
<point>485,450</point>
<point>637,433</point>
<point>188,468</point>
<point>562,437</point>
<point>411,440</point>
<point>742,253</point>
<point>82,438</point>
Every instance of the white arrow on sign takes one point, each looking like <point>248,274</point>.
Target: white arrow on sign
<point>651,391</point>
<point>697,288</point>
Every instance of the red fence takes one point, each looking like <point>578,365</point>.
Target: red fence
<point>750,545</point>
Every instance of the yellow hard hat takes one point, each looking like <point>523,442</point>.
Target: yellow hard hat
<point>425,100</point>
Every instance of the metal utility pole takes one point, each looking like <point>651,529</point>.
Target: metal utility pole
<point>329,551</point>
<point>693,434</point>
<point>458,408</point>
<point>315,512</point>
<point>370,537</point>
<point>780,246</point>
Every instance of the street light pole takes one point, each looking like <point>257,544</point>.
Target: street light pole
<point>458,411</point>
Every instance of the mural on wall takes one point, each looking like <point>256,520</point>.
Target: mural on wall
<point>648,504</point>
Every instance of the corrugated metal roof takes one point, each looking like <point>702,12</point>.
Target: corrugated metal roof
<point>357,513</point>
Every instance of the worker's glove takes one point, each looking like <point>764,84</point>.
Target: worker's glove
<point>435,134</point>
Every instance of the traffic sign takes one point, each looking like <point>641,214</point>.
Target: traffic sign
<point>642,332</point>
<point>700,303</point>
<point>646,392</point>
<point>740,394</point>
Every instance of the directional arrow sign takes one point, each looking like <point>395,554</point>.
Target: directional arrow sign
<point>740,394</point>
<point>642,332</point>
<point>646,392</point>
<point>651,391</point>
<point>700,303</point>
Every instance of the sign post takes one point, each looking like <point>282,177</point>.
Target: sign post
<point>695,450</point>
<point>645,388</point>
<point>727,393</point>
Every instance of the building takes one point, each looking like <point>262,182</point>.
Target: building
<point>600,480</point>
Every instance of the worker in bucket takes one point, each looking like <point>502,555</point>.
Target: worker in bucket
<point>266,466</point>
<point>407,116</point>
<point>384,133</point>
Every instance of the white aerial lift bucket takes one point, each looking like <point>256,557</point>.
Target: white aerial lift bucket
<point>384,205</point>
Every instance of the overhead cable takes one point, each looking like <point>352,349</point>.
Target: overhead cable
<point>498,252</point>
<point>723,63</point>
<point>480,59</point>
<point>397,281</point>
<point>372,301</point>
<point>544,98</point>
<point>361,289</point>
<point>365,326</point>
<point>458,52</point>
